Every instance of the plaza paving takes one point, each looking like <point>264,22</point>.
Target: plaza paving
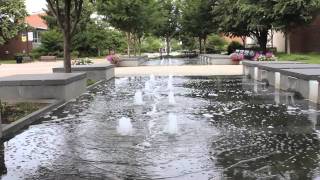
<point>189,70</point>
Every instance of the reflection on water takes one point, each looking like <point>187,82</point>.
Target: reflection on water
<point>219,128</point>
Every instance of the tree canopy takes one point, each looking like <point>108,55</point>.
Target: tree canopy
<point>135,18</point>
<point>197,19</point>
<point>67,14</point>
<point>12,14</point>
<point>256,18</point>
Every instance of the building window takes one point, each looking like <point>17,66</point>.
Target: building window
<point>36,37</point>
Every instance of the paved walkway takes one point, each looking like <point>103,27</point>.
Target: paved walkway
<point>206,70</point>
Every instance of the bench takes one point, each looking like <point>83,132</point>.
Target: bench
<point>48,58</point>
<point>26,59</point>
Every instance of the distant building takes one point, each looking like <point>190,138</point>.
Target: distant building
<point>302,39</point>
<point>26,40</point>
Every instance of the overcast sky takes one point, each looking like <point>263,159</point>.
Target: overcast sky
<point>35,5</point>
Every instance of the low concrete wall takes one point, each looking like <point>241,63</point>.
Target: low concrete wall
<point>132,61</point>
<point>60,86</point>
<point>95,72</point>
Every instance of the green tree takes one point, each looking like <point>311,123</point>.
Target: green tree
<point>293,13</point>
<point>197,20</point>
<point>168,22</point>
<point>134,18</point>
<point>67,14</point>
<point>151,44</point>
<point>256,18</point>
<point>12,14</point>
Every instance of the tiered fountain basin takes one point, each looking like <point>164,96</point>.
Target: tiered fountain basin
<point>96,72</point>
<point>217,128</point>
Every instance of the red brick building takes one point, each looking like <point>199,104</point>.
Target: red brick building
<point>25,41</point>
<point>307,38</point>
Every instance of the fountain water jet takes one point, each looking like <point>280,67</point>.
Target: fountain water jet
<point>173,124</point>
<point>277,80</point>
<point>152,78</point>
<point>313,91</point>
<point>125,127</point>
<point>147,86</point>
<point>171,98</point>
<point>170,83</point>
<point>138,99</point>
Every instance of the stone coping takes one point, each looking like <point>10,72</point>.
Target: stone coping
<point>306,74</point>
<point>257,63</point>
<point>281,67</point>
<point>41,79</point>
<point>91,67</point>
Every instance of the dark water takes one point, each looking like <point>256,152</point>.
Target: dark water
<point>177,62</point>
<point>218,128</point>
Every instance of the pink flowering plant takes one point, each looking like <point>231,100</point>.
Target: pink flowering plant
<point>236,57</point>
<point>269,56</point>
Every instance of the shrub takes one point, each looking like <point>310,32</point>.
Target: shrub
<point>233,46</point>
<point>216,44</point>
<point>151,44</point>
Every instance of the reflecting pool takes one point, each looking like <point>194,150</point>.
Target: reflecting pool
<point>171,128</point>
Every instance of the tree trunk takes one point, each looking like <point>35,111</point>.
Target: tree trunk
<point>67,52</point>
<point>135,45</point>
<point>168,45</point>
<point>263,40</point>
<point>139,41</point>
<point>205,45</point>
<point>288,42</point>
<point>128,43</point>
<point>244,41</point>
<point>200,45</point>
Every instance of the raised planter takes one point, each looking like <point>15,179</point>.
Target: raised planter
<point>12,128</point>
<point>126,61</point>
<point>61,86</point>
<point>95,72</point>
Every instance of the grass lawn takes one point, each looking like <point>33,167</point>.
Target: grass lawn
<point>7,61</point>
<point>310,58</point>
